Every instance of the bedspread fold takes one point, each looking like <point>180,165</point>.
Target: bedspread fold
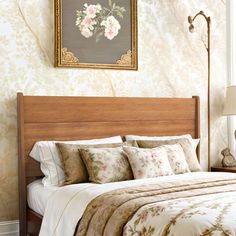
<point>139,210</point>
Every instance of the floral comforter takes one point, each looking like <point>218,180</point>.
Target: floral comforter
<point>193,208</point>
<point>189,204</point>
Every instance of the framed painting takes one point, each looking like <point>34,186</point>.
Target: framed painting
<point>96,34</point>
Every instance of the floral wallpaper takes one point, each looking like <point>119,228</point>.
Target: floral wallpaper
<point>172,63</point>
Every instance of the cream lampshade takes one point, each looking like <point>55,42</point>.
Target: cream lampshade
<point>229,110</point>
<point>230,101</point>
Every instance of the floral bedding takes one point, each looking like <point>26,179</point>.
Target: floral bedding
<point>188,204</point>
<point>163,210</point>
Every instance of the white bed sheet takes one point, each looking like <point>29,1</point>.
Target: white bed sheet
<point>38,196</point>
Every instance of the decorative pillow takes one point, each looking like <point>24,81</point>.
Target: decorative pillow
<point>189,151</point>
<point>74,168</point>
<point>176,158</point>
<point>48,155</point>
<point>194,142</point>
<point>148,163</point>
<point>106,165</point>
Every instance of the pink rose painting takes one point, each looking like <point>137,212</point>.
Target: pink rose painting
<point>100,21</point>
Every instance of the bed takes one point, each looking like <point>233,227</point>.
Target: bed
<point>71,118</point>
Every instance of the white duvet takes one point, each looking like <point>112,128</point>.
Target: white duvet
<point>66,206</point>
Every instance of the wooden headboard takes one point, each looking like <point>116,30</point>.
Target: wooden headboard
<point>72,118</point>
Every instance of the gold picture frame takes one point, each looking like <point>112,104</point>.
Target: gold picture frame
<point>82,44</point>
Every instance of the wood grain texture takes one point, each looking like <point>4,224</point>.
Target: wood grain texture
<point>74,118</point>
<point>102,109</point>
<point>34,223</point>
<point>21,165</point>
<point>197,124</point>
<point>223,169</point>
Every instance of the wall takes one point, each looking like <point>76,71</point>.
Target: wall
<point>231,62</point>
<point>172,63</point>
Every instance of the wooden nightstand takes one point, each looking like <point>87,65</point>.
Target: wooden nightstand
<point>223,169</point>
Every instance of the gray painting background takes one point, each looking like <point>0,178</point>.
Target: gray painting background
<point>87,50</point>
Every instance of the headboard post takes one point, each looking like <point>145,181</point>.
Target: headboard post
<point>21,165</point>
<point>197,124</point>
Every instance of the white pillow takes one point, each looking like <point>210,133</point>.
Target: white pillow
<point>48,155</point>
<point>194,142</point>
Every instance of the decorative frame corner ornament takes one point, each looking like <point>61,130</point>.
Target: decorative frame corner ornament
<point>126,59</point>
<point>68,57</point>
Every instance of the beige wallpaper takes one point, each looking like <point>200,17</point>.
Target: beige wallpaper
<point>172,63</point>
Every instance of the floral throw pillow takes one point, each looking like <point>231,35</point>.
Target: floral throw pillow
<point>106,165</point>
<point>189,150</point>
<point>177,159</point>
<point>148,163</point>
<point>74,168</point>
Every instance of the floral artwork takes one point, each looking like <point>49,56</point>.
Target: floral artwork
<point>99,21</point>
<point>96,34</point>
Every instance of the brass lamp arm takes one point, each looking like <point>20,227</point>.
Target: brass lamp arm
<point>191,20</point>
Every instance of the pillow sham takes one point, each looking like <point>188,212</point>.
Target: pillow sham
<point>188,149</point>
<point>194,142</point>
<point>74,168</point>
<point>148,163</point>
<point>177,158</point>
<point>105,165</point>
<point>48,155</point>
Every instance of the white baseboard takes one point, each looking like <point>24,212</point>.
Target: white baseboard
<point>9,228</point>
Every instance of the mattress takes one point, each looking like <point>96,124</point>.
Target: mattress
<point>38,196</point>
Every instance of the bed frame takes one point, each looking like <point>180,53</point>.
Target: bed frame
<point>72,118</point>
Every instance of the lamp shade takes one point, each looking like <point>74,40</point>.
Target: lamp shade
<point>230,101</point>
